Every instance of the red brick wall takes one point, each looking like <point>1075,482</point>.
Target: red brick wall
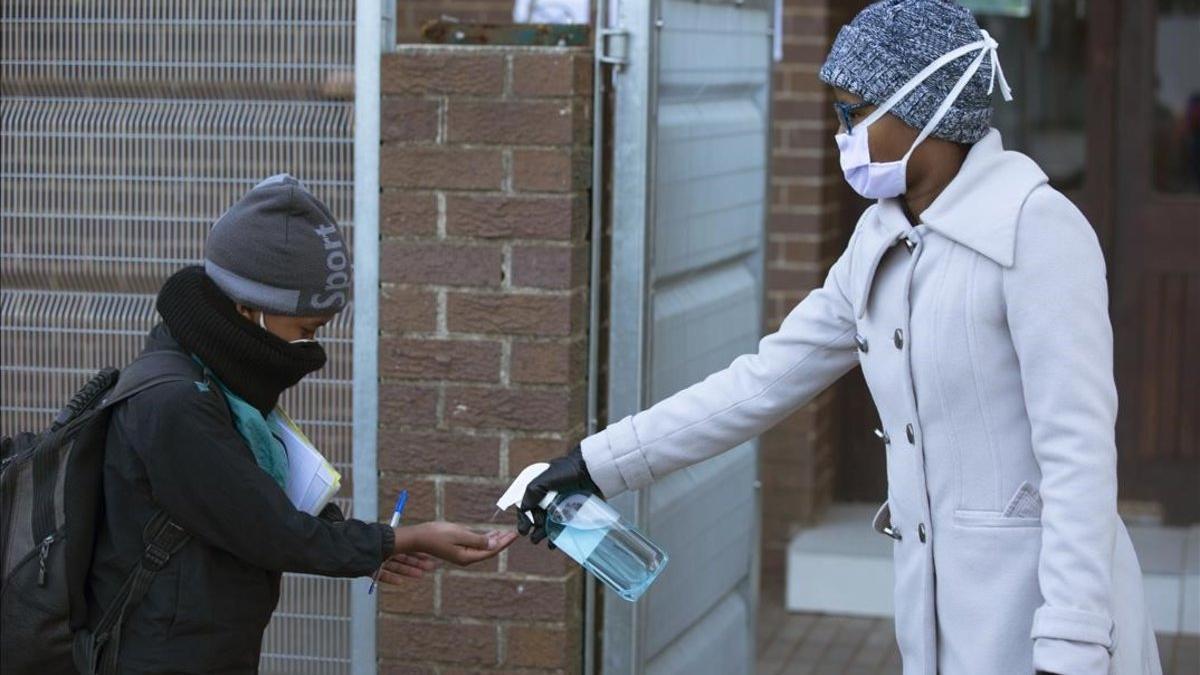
<point>810,222</point>
<point>484,171</point>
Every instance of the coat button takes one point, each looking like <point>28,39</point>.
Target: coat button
<point>910,244</point>
<point>883,436</point>
<point>898,338</point>
<point>910,433</point>
<point>861,342</point>
<point>921,532</point>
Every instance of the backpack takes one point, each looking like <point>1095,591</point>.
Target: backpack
<point>50,500</point>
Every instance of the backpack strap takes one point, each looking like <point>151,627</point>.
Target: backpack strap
<point>96,651</point>
<point>163,539</point>
<point>150,370</point>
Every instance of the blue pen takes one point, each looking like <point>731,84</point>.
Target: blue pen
<point>401,501</point>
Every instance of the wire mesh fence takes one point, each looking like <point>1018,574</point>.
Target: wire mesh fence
<point>128,127</point>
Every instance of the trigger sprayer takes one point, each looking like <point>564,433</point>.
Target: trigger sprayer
<point>587,529</point>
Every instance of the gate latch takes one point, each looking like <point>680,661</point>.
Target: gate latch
<point>617,55</point>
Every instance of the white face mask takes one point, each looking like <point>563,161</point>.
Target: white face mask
<point>883,180</point>
<point>262,322</point>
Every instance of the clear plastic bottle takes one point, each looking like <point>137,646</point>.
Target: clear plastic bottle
<point>587,529</point>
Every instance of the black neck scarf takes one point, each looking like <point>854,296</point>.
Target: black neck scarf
<point>253,362</point>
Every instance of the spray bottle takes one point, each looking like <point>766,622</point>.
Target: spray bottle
<point>587,529</point>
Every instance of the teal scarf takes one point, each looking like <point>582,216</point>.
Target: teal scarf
<point>268,450</point>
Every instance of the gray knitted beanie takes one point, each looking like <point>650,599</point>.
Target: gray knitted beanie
<point>278,249</point>
<point>891,41</point>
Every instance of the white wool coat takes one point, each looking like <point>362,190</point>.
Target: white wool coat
<point>984,337</point>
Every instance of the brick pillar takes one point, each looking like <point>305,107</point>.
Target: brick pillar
<point>484,213</point>
<point>809,225</point>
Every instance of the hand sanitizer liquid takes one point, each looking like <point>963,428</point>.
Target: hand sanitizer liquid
<point>587,529</point>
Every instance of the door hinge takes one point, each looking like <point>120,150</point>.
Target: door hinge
<point>618,54</point>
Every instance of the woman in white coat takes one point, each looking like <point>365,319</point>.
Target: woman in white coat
<point>973,296</point>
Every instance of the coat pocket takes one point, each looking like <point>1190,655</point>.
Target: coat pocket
<point>1024,509</point>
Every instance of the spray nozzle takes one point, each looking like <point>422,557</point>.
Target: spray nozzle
<point>516,492</point>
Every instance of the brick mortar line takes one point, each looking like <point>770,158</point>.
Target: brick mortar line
<point>508,76</point>
<point>505,449</point>
<point>442,312</point>
<point>484,337</point>
<point>461,192</point>
<point>514,434</point>
<point>506,265</point>
<point>440,196</point>
<point>419,429</point>
<point>440,421</point>
<point>492,290</point>
<point>469,51</point>
<point>442,123</point>
<point>506,348</point>
<point>506,168</point>
<point>574,148</point>
<point>516,98</point>
<point>576,431</point>
<point>492,386</point>
<point>479,242</point>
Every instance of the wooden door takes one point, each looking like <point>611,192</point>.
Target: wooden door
<point>1154,262</point>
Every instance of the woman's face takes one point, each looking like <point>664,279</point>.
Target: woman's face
<point>888,137</point>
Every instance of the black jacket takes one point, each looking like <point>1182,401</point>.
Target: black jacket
<point>175,447</point>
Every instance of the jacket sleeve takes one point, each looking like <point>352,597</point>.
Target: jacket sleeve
<point>204,476</point>
<point>1057,311</point>
<point>813,347</point>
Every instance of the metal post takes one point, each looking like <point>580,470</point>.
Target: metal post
<point>594,296</point>
<point>367,38</point>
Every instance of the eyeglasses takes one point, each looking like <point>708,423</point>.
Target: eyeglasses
<point>846,112</point>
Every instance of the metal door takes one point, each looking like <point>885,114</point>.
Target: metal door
<point>128,127</point>
<point>689,175</point>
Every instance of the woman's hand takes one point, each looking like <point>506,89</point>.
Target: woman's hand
<point>452,543</point>
<point>406,566</point>
<point>566,474</point>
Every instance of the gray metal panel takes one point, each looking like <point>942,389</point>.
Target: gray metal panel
<point>718,644</point>
<point>701,515</point>
<point>689,203</point>
<point>129,126</point>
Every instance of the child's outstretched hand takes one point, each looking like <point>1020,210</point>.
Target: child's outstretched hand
<point>452,543</point>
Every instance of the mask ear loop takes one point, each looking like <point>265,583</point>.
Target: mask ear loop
<point>989,48</point>
<point>987,45</point>
<point>917,79</point>
<point>946,103</point>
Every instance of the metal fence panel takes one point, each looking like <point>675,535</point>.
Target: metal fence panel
<point>128,127</point>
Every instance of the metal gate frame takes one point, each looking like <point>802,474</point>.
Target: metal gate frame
<point>628,41</point>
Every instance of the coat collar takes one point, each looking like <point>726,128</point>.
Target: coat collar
<point>979,209</point>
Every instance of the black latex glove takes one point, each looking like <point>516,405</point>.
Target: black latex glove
<point>566,474</point>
